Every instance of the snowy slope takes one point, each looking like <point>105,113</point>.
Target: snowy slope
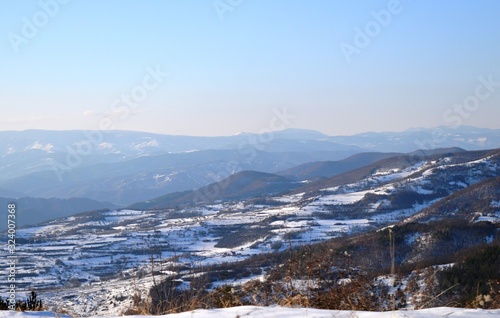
<point>260,312</point>
<point>94,262</point>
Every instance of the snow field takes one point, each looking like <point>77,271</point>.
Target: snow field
<point>278,312</point>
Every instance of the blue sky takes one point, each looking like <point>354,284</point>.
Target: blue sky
<point>232,64</point>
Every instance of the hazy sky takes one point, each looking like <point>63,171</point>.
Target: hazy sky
<point>219,67</point>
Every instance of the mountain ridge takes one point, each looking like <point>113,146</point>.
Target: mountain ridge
<point>341,228</point>
<point>238,186</point>
<point>31,211</point>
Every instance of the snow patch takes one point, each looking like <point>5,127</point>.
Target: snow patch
<point>146,144</point>
<point>105,145</point>
<point>49,148</point>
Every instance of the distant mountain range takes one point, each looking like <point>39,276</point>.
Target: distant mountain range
<point>124,167</point>
<point>125,144</point>
<point>466,137</point>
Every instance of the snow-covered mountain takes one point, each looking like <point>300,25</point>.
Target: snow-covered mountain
<point>95,262</point>
<point>123,167</point>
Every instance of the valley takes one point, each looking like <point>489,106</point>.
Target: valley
<point>95,263</point>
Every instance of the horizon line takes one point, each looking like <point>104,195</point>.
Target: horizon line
<point>250,133</point>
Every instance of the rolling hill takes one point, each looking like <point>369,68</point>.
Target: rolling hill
<point>32,211</point>
<point>239,186</point>
<point>327,169</point>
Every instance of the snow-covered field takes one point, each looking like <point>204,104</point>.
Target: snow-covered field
<point>272,312</point>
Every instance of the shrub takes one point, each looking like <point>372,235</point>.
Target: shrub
<point>32,303</point>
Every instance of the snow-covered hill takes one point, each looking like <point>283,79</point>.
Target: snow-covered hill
<point>124,167</point>
<point>95,262</point>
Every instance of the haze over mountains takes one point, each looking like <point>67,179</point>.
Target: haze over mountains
<point>119,168</point>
